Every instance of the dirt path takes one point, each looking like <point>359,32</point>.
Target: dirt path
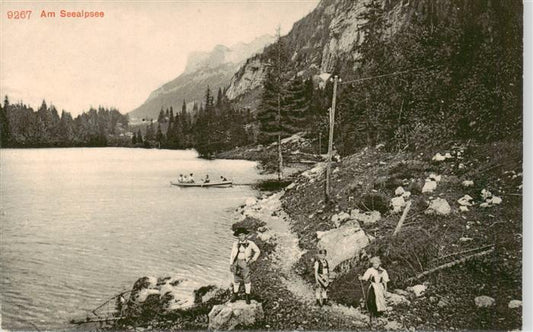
<point>288,252</point>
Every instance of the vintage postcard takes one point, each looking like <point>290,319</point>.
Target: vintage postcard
<point>261,165</point>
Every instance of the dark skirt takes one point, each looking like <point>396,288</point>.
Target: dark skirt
<point>371,302</point>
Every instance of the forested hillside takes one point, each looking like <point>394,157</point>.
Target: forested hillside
<point>21,126</point>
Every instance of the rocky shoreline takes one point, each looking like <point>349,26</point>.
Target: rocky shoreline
<point>477,290</point>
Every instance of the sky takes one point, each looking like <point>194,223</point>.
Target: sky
<point>117,60</point>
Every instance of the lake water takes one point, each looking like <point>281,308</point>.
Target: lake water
<point>81,225</point>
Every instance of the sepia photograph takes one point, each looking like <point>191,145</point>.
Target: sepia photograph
<point>348,165</point>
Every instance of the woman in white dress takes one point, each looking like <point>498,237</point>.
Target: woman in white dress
<point>378,278</point>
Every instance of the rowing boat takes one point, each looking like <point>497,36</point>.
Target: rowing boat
<point>202,185</point>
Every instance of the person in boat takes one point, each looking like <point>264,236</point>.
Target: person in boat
<point>378,278</point>
<point>322,278</point>
<point>191,178</point>
<point>181,179</point>
<point>207,180</point>
<point>223,179</point>
<point>243,253</point>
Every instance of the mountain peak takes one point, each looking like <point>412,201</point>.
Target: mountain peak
<point>214,68</point>
<point>222,54</point>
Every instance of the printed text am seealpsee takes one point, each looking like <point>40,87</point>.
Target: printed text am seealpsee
<point>27,14</point>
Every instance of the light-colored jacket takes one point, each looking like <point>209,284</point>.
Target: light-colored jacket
<point>252,247</point>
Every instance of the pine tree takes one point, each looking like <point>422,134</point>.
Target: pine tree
<point>4,124</point>
<point>139,137</point>
<point>274,92</point>
<point>161,117</point>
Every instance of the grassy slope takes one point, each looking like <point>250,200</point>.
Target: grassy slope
<point>368,179</point>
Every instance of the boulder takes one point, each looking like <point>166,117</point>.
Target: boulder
<point>514,304</point>
<point>484,301</point>
<point>418,290</point>
<point>151,295</point>
<point>396,299</point>
<point>177,296</point>
<point>439,206</point>
<point>397,204</point>
<point>229,315</point>
<point>367,218</point>
<point>342,243</point>
<point>429,186</point>
<point>401,292</point>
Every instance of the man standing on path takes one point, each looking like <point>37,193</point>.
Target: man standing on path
<point>243,253</point>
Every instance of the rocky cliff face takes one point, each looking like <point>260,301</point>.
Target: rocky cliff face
<point>329,37</point>
<point>215,68</point>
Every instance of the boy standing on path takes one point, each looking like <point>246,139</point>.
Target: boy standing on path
<point>322,278</point>
<point>243,253</point>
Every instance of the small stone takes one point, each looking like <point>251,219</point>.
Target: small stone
<point>463,208</point>
<point>468,183</point>
<point>485,194</point>
<point>438,157</point>
<point>495,200</point>
<point>514,304</point>
<point>397,204</point>
<point>466,200</point>
<point>418,290</point>
<point>439,206</point>
<point>429,186</point>
<point>484,301</point>
<point>399,191</point>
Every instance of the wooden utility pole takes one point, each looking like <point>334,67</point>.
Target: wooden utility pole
<point>319,142</point>
<point>280,155</point>
<point>330,143</point>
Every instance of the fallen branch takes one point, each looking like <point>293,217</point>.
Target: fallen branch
<point>451,264</point>
<point>402,219</point>
<point>464,252</point>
